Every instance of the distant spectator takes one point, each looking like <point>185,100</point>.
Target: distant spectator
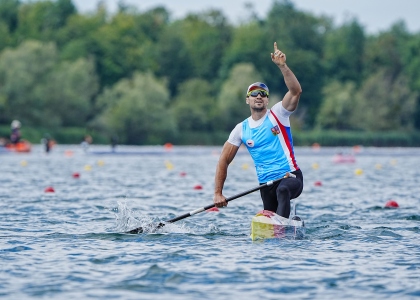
<point>15,134</point>
<point>114,142</point>
<point>48,142</point>
<point>87,140</point>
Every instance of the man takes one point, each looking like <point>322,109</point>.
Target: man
<point>267,136</point>
<point>15,133</point>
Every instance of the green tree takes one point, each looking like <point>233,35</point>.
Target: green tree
<point>301,36</point>
<point>337,106</point>
<point>8,21</point>
<point>135,109</point>
<point>77,38</point>
<point>386,50</point>
<point>23,71</point>
<point>69,92</point>
<point>39,90</point>
<point>411,67</point>
<point>123,45</point>
<point>9,13</point>
<point>344,52</point>
<point>232,96</point>
<point>173,59</point>
<point>206,37</point>
<point>41,20</point>
<point>384,103</point>
<point>248,45</point>
<point>194,107</point>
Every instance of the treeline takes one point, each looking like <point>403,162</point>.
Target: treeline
<point>149,79</point>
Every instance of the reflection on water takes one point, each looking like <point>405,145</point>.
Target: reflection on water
<point>71,243</point>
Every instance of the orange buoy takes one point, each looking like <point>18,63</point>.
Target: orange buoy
<point>316,147</point>
<point>168,146</point>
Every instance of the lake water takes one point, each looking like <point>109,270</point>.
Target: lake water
<point>70,244</point>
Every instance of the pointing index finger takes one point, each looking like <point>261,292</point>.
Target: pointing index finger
<point>275,47</point>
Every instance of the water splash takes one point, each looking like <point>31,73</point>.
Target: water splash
<point>126,219</point>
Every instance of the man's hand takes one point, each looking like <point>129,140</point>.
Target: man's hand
<point>278,57</point>
<point>219,200</point>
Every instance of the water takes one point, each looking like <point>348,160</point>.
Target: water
<point>70,244</point>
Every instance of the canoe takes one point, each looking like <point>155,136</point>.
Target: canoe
<point>267,225</point>
<point>22,146</point>
<point>343,159</point>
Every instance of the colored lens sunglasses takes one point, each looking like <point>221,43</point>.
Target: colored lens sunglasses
<point>255,93</point>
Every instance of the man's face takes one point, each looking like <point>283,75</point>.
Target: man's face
<point>257,100</point>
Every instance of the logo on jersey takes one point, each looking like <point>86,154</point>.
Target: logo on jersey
<point>275,130</point>
<point>250,143</point>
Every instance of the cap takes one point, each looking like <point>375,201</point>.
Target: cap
<point>258,86</point>
<point>15,124</point>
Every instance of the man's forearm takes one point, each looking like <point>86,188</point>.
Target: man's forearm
<point>220,177</point>
<point>291,81</point>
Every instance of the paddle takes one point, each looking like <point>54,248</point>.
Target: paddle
<point>191,213</point>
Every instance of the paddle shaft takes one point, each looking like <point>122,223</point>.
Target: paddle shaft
<point>191,213</point>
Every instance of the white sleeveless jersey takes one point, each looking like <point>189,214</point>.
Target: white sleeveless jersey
<point>269,141</point>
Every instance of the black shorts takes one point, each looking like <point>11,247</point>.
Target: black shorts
<point>294,185</point>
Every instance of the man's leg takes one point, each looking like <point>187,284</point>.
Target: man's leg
<point>288,188</point>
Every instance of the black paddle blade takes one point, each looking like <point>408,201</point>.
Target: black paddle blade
<point>149,228</point>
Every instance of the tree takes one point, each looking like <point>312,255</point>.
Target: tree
<point>232,95</point>
<point>344,52</point>
<point>384,103</point>
<point>411,67</point>
<point>23,71</point>
<point>8,21</point>
<point>42,20</point>
<point>194,106</point>
<point>70,90</point>
<point>248,45</point>
<point>135,109</point>
<point>337,106</point>
<point>205,37</point>
<point>301,36</point>
<point>173,60</point>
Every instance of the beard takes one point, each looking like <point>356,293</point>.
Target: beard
<point>258,108</point>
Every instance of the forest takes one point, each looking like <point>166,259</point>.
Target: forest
<point>148,78</point>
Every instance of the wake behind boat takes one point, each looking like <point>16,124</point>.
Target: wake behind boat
<point>267,225</point>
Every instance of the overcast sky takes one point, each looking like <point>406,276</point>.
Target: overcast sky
<point>374,15</point>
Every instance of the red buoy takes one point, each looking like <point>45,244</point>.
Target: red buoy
<point>182,174</point>
<point>198,187</point>
<point>392,204</point>
<point>213,209</point>
<point>76,175</point>
<point>318,183</point>
<point>49,189</point>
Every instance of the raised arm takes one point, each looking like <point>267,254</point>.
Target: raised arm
<point>291,99</point>
<point>228,154</point>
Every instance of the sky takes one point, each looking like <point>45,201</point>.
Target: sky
<point>374,15</point>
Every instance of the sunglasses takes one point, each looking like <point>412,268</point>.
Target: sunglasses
<point>255,93</point>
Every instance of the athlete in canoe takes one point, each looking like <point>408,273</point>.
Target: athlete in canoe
<point>15,132</point>
<point>268,138</point>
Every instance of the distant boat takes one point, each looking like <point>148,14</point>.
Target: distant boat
<point>22,146</point>
<point>344,158</point>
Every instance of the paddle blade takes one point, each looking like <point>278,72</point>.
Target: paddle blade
<point>149,228</point>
